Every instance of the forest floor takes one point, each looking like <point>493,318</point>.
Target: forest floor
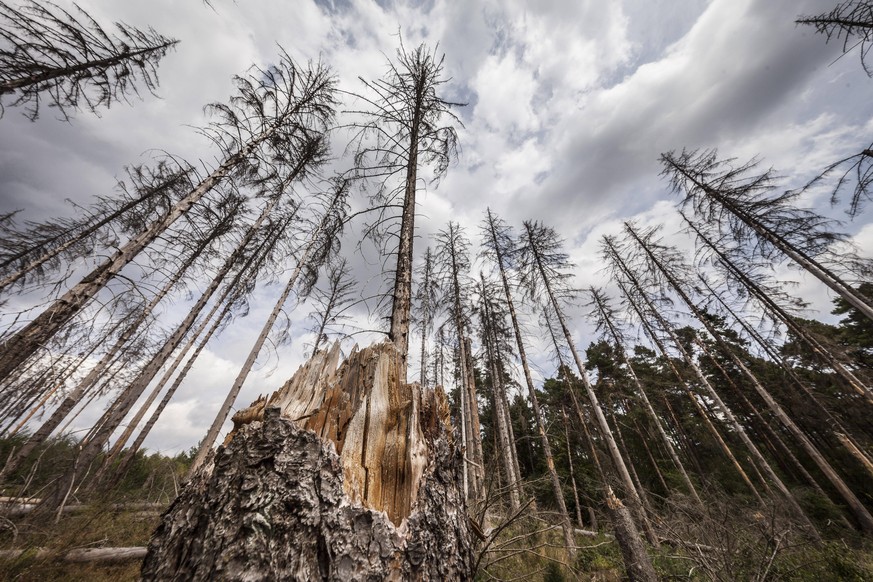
<point>527,550</point>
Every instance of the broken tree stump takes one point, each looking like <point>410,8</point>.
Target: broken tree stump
<point>344,473</point>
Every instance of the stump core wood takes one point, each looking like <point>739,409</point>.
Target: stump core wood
<point>344,473</point>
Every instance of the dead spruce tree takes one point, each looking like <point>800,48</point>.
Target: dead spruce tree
<point>495,336</point>
<point>755,451</point>
<point>137,323</point>
<point>847,440</point>
<point>543,268</point>
<point>637,563</point>
<point>67,59</point>
<point>320,246</point>
<point>427,302</point>
<point>850,21</point>
<point>452,268</point>
<point>647,308</point>
<point>499,245</point>
<point>664,264</point>
<point>242,254</point>
<point>745,277</point>
<point>347,471</point>
<point>29,255</point>
<point>265,240</point>
<point>604,317</point>
<point>403,132</point>
<point>740,205</point>
<point>232,299</point>
<point>273,114</point>
<point>331,302</point>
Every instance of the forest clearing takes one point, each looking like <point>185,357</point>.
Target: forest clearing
<point>288,354</point>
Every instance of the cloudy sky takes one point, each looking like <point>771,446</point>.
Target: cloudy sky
<point>569,104</point>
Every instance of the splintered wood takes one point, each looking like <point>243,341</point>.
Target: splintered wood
<point>377,423</point>
<point>344,473</point>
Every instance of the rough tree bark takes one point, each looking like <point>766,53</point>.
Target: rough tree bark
<point>344,473</point>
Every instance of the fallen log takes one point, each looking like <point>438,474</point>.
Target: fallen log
<point>83,555</point>
<point>17,509</point>
<point>344,473</point>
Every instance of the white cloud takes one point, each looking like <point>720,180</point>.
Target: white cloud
<point>570,105</point>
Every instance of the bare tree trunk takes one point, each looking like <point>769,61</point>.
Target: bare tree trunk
<point>579,521</point>
<point>770,305</point>
<point>465,425</point>
<point>315,482</point>
<point>858,510</point>
<point>606,433</point>
<point>112,418</point>
<point>474,430</point>
<point>61,382</point>
<point>137,443</point>
<point>402,301</point>
<point>28,340</point>
<point>644,439</point>
<point>226,299</point>
<point>224,411</point>
<point>547,449</point>
<point>666,355</point>
<point>647,404</point>
<point>507,446</point>
<point>644,498</point>
<point>507,419</point>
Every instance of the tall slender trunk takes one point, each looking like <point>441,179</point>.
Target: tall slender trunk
<point>126,399</point>
<point>644,498</point>
<point>58,250</point>
<point>468,387</point>
<point>641,313</point>
<point>779,447</point>
<point>812,266</point>
<point>156,414</point>
<point>606,433</point>
<point>858,509</point>
<point>224,411</point>
<point>475,444</point>
<point>507,446</point>
<point>862,515</point>
<point>579,521</point>
<point>644,438</point>
<point>770,305</point>
<point>683,437</point>
<point>465,424</point>
<point>547,449</point>
<point>61,380</point>
<point>647,404</point>
<point>510,431</point>
<point>402,300</point>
